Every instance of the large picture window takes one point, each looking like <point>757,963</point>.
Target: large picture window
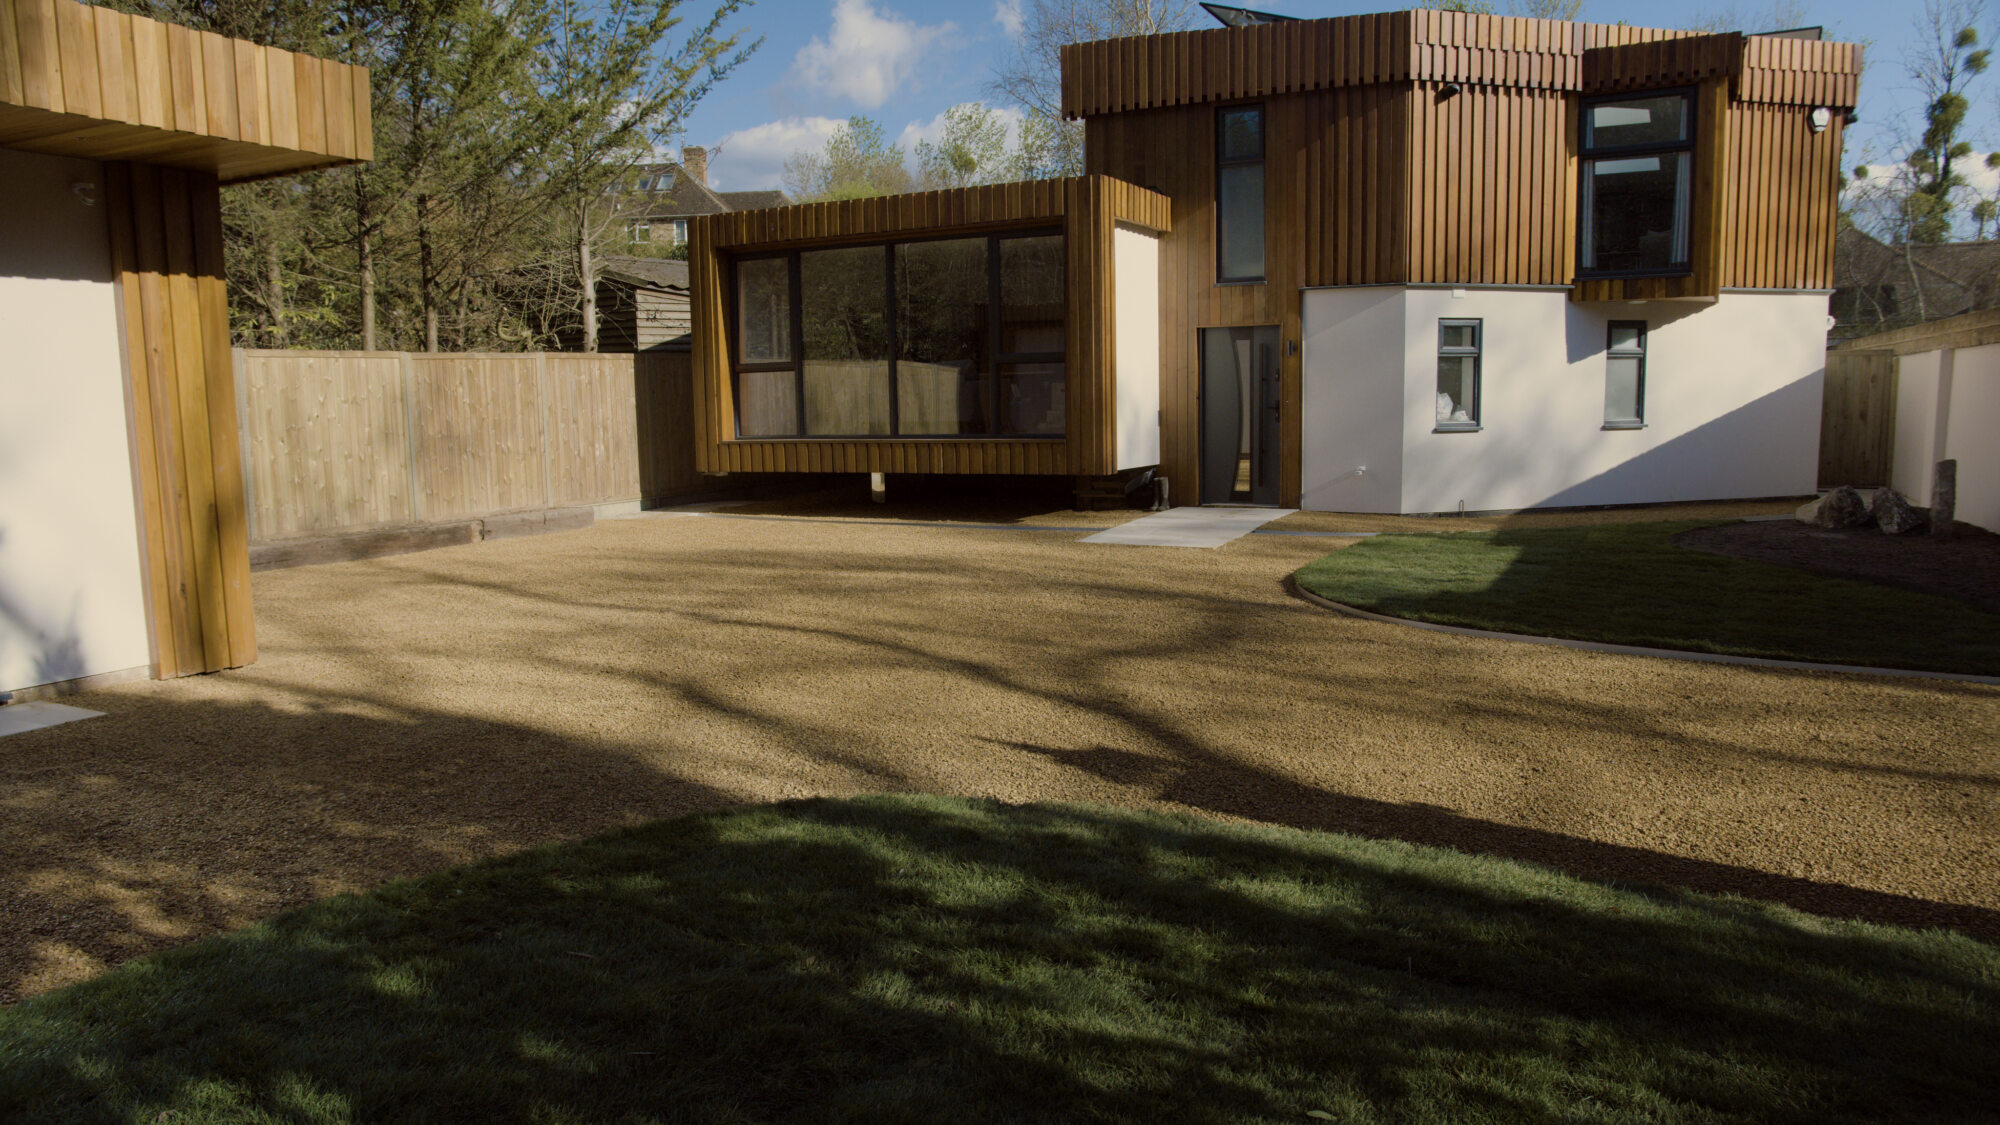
<point>1638,156</point>
<point>1239,193</point>
<point>950,337</point>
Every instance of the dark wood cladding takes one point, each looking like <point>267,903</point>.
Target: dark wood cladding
<point>1088,208</point>
<point>1782,208</point>
<point>1492,189</point>
<point>1224,64</point>
<point>166,248</point>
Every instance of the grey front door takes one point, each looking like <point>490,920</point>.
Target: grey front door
<point>1239,415</point>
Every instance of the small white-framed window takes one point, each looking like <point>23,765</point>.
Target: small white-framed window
<point>642,232</point>
<point>1625,375</point>
<point>1459,344</point>
<point>680,230</point>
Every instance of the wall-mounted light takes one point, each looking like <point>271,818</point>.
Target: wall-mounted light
<point>85,191</point>
<point>1819,119</point>
<point>1449,90</point>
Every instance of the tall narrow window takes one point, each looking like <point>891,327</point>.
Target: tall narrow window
<point>1638,156</point>
<point>1458,374</point>
<point>766,372</point>
<point>1625,376</point>
<point>1239,194</point>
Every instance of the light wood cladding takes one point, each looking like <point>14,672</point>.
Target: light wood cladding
<point>1491,184</point>
<point>1781,213</point>
<point>77,80</point>
<point>166,243</point>
<point>1294,57</point>
<point>1661,63</point>
<point>1087,208</point>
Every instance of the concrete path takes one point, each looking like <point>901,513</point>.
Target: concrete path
<point>1190,527</point>
<point>22,717</point>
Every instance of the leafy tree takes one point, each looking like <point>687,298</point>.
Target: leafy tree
<point>971,149</point>
<point>1944,66</point>
<point>857,162</point>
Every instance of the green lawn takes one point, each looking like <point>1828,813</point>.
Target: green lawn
<point>1629,584</point>
<point>916,959</point>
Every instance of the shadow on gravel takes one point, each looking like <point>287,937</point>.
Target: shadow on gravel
<point>924,959</point>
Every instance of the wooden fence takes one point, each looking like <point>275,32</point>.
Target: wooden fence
<point>336,441</point>
<point>1857,425</point>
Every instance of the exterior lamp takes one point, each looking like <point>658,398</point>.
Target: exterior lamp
<point>1819,118</point>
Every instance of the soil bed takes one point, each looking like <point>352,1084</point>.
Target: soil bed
<point>1966,566</point>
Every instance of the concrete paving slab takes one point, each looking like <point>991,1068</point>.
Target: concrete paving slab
<point>1190,527</point>
<point>16,718</point>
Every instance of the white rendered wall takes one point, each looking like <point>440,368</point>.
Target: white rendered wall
<point>1732,400</point>
<point>71,601</point>
<point>1136,296</point>
<point>1932,425</point>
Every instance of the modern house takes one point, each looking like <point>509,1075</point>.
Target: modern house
<point>1404,262</point>
<point>123,542</point>
<point>667,196</point>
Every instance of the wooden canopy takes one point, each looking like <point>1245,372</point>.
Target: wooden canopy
<point>77,80</point>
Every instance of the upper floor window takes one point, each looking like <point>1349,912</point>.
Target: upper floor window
<point>1239,193</point>
<point>1638,154</point>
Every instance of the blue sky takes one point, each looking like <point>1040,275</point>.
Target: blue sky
<point>904,62</point>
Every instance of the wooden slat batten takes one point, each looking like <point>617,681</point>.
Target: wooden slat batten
<point>1655,65</point>
<point>1088,209</point>
<point>166,241</point>
<point>77,80</point>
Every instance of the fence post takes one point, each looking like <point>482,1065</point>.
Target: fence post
<point>548,434</point>
<point>410,435</point>
<point>243,443</point>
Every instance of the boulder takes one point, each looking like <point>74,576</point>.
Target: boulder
<point>1841,507</point>
<point>1895,515</point>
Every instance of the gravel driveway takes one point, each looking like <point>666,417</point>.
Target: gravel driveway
<point>415,712</point>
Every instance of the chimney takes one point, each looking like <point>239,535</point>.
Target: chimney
<point>695,160</point>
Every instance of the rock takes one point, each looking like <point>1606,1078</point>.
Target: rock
<point>1894,515</point>
<point>1840,508</point>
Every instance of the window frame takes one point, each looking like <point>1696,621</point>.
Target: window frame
<point>1611,351</point>
<point>797,363</point>
<point>1587,155</point>
<point>1478,353</point>
<point>1223,161</point>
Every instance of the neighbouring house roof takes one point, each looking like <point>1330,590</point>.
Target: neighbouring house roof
<point>1878,286</point>
<point>85,81</point>
<point>677,195</point>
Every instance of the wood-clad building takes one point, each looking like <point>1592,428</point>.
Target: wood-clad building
<point>125,542</point>
<point>1420,260</point>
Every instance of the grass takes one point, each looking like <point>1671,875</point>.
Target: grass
<point>924,959</point>
<point>1629,584</point>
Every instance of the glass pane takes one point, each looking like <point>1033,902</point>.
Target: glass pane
<point>1637,121</point>
<point>764,310</point>
<point>942,309</point>
<point>1031,294</point>
<point>1033,398</point>
<point>1242,133</point>
<point>843,303</point>
<point>1458,335</point>
<point>1457,401</point>
<point>767,404</point>
<point>1621,390</point>
<point>1240,222</point>
<point>1627,338</point>
<point>1634,213</point>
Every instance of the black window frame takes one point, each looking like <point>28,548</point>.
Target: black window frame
<point>1222,161</point>
<point>797,363</point>
<point>1588,155</point>
<point>1478,353</point>
<point>1611,351</point>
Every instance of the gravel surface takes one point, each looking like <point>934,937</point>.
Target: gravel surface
<point>414,712</point>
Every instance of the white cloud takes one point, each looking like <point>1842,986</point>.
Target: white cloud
<point>866,55</point>
<point>753,159</point>
<point>1007,13</point>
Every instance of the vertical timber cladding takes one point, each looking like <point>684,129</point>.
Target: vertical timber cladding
<point>1088,209</point>
<point>166,247</point>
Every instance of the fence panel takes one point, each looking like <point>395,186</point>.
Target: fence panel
<point>337,441</point>
<point>1857,430</point>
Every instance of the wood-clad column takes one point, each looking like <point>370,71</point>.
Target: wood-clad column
<point>166,248</point>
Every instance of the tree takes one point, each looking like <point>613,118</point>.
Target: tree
<point>971,149</point>
<point>1943,66</point>
<point>611,94</point>
<point>1778,15</point>
<point>1030,75</point>
<point>857,162</point>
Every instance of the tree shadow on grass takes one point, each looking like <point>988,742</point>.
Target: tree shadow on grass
<point>924,959</point>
